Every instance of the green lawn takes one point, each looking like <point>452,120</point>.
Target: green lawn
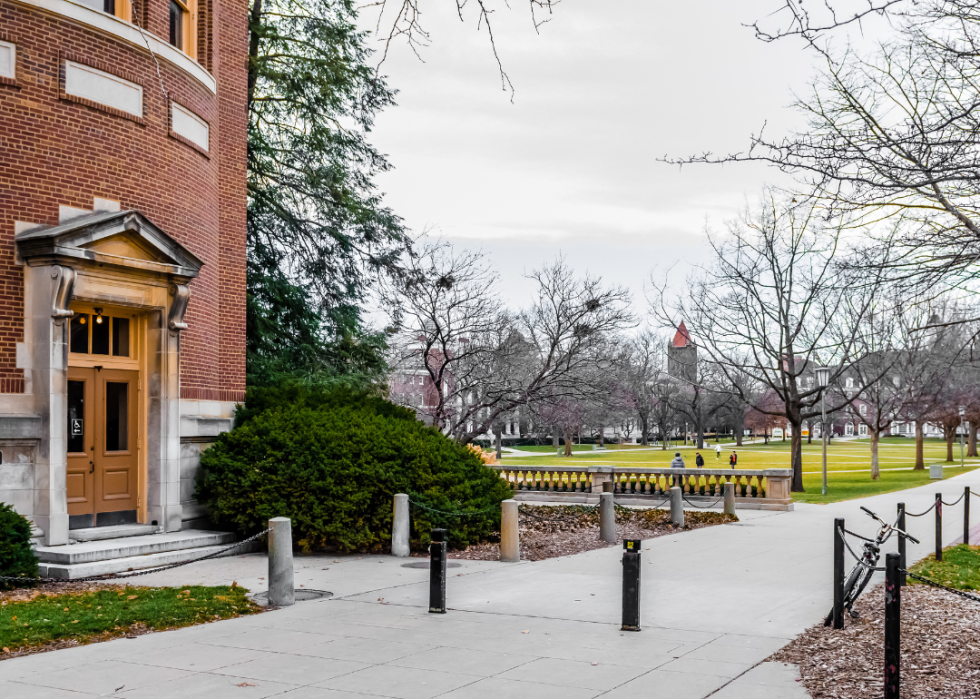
<point>848,464</point>
<point>960,568</point>
<point>103,614</point>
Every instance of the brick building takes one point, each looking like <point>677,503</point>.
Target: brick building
<point>122,254</point>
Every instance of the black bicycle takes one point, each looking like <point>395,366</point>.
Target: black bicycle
<point>865,567</point>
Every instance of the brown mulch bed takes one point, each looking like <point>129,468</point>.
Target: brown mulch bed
<point>26,594</point>
<point>940,649</point>
<point>563,530</point>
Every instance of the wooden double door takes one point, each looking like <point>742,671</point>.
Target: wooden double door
<point>103,433</point>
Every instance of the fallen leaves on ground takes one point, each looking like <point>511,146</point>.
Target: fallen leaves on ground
<point>940,649</point>
<point>549,531</point>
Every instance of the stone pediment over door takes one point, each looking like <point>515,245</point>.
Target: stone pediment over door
<point>124,240</point>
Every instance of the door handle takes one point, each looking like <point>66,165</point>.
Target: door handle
<point>92,464</point>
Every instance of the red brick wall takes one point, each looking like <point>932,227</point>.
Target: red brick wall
<point>58,152</point>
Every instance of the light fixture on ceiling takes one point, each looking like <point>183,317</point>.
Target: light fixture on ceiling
<point>98,316</point>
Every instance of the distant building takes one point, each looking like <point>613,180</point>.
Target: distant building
<point>682,356</point>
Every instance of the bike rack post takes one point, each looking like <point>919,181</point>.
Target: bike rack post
<point>838,573</point>
<point>901,541</point>
<point>893,626</point>
<point>631,584</point>
<point>939,526</point>
<point>966,515</point>
<point>437,572</point>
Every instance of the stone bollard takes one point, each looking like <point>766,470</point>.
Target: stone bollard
<point>400,527</point>
<point>281,590</point>
<point>510,541</point>
<point>729,498</point>
<point>677,506</point>
<point>607,518</point>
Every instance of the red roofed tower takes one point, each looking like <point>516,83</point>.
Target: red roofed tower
<point>682,355</point>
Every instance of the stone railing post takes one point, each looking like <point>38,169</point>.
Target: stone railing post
<point>281,590</point>
<point>600,475</point>
<point>677,506</point>
<point>729,499</point>
<point>607,518</point>
<point>510,542</point>
<point>400,527</point>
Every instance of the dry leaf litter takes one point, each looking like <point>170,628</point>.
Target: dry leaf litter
<point>549,531</point>
<point>940,649</point>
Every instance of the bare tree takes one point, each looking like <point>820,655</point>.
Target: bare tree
<point>641,368</point>
<point>484,362</point>
<point>775,302</point>
<point>892,130</point>
<point>402,20</point>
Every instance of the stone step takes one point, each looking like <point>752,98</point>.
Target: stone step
<point>120,531</point>
<point>108,549</point>
<point>132,563</point>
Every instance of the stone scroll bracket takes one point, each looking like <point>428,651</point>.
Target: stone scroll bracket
<point>65,277</point>
<point>182,295</point>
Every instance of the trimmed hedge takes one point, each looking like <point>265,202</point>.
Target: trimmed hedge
<point>332,462</point>
<point>17,558</point>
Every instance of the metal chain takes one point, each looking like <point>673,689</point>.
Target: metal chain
<point>933,583</point>
<point>148,571</point>
<point>704,507</point>
<point>840,533</point>
<point>921,514</point>
<point>955,502</point>
<point>458,513</point>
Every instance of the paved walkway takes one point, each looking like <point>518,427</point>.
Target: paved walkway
<point>716,603</point>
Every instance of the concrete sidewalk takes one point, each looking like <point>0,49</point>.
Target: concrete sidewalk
<point>716,603</point>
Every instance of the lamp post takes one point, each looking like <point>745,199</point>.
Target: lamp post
<point>823,378</point>
<point>962,412</point>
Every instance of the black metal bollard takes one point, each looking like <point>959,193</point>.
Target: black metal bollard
<point>838,573</point>
<point>966,515</point>
<point>901,541</point>
<point>939,526</point>
<point>437,572</point>
<point>893,626</point>
<point>631,584</point>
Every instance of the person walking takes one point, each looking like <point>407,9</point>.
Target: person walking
<point>717,452</point>
<point>733,460</point>
<point>677,462</point>
<point>699,460</point>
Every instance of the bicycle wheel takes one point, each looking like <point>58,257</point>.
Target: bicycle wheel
<point>849,583</point>
<point>850,599</point>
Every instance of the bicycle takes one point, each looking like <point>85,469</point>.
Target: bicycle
<point>860,575</point>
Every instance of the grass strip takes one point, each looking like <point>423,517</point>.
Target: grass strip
<point>99,615</point>
<point>960,568</point>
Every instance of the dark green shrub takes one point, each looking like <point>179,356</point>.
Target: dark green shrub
<point>17,558</point>
<point>332,463</point>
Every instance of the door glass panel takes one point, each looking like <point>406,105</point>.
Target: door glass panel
<point>100,335</point>
<point>76,416</point>
<point>79,333</point>
<point>120,337</point>
<point>116,416</point>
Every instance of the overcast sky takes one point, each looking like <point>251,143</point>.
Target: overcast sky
<point>570,166</point>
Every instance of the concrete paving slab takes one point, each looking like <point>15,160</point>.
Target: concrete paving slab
<point>495,688</point>
<point>206,686</point>
<point>675,685</point>
<point>464,661</point>
<point>17,690</point>
<point>291,669</point>
<point>104,678</point>
<point>399,682</point>
<point>572,673</point>
<point>706,667</point>
<point>363,650</point>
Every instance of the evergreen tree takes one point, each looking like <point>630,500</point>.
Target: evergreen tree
<point>317,228</point>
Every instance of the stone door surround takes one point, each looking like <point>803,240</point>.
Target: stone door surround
<point>119,259</point>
